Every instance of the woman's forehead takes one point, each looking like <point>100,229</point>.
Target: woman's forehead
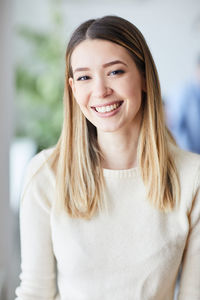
<point>98,51</point>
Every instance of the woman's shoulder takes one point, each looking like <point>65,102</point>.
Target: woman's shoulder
<point>185,158</point>
<point>38,188</point>
<point>38,170</point>
<point>39,160</point>
<point>188,165</point>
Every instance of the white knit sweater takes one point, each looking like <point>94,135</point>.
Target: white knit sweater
<point>133,252</point>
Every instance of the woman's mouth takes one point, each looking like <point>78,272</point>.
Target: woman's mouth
<point>107,108</point>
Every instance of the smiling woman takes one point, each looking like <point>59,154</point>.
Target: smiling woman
<point>113,210</point>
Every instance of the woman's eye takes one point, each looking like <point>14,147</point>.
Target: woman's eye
<point>82,78</point>
<point>116,72</point>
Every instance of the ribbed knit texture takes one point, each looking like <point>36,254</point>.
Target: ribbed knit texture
<point>131,252</point>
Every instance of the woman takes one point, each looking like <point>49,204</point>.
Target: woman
<point>111,212</point>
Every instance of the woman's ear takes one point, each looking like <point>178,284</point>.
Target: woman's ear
<point>71,83</point>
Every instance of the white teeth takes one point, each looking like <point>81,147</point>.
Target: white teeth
<point>107,108</point>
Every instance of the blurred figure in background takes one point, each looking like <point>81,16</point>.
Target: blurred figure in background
<point>183,113</point>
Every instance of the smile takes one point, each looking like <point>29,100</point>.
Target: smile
<point>107,108</point>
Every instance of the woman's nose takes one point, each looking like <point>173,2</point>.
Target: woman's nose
<point>101,89</point>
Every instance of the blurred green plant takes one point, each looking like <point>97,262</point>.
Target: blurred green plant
<point>39,81</point>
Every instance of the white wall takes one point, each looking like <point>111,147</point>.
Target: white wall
<point>6,88</point>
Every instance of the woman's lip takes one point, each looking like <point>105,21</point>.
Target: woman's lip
<point>108,113</point>
<point>107,104</point>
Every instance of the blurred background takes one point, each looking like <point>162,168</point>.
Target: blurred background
<point>33,39</point>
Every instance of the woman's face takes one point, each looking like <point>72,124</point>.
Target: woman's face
<point>107,85</point>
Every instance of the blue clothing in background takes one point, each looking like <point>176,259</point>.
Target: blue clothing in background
<point>183,114</point>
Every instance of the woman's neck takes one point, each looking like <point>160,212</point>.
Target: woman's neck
<point>119,149</point>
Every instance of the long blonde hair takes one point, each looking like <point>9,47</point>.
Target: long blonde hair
<point>77,157</point>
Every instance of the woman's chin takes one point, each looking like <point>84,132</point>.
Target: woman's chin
<point>108,128</point>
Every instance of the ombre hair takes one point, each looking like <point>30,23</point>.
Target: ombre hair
<point>77,158</point>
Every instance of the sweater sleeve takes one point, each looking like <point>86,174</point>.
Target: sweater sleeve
<point>190,275</point>
<point>38,272</point>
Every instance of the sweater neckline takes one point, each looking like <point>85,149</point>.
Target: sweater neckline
<point>132,172</point>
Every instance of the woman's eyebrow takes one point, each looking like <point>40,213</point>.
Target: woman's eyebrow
<point>114,62</point>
